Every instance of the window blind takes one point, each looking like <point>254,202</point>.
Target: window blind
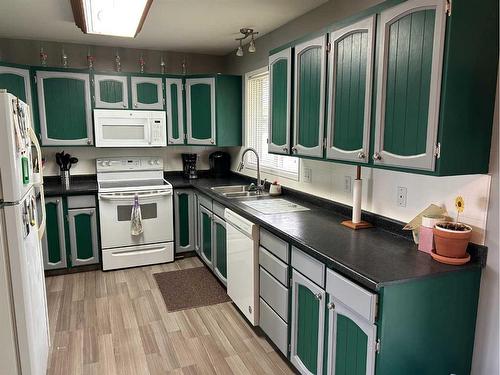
<point>257,121</point>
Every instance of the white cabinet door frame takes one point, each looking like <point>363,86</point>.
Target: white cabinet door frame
<point>298,149</point>
<point>41,75</point>
<point>299,279</point>
<point>204,81</point>
<point>192,219</point>
<point>368,328</point>
<point>217,221</point>
<point>361,155</point>
<point>98,78</point>
<point>25,73</point>
<point>285,55</point>
<point>180,112</point>
<point>425,161</point>
<point>62,239</point>
<point>72,236</point>
<point>209,262</point>
<point>134,81</point>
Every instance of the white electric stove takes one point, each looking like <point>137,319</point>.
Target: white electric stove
<point>120,182</point>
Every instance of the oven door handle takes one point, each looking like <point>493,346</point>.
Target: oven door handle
<point>113,196</point>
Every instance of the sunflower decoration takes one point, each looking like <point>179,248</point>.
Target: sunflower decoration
<point>459,205</point>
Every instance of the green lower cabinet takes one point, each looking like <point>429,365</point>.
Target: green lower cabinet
<point>83,236</point>
<point>219,246</point>
<point>206,236</point>
<point>307,325</point>
<point>184,215</point>
<point>16,81</point>
<point>54,239</point>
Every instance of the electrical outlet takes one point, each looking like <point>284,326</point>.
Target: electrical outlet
<point>307,174</point>
<point>347,184</point>
<point>402,193</point>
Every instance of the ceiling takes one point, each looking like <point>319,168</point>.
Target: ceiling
<point>200,26</point>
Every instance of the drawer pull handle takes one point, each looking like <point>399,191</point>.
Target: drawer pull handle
<point>318,296</point>
<point>330,306</point>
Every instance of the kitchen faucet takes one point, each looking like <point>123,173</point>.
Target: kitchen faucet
<point>259,188</point>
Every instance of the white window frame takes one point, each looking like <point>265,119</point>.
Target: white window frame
<point>249,164</point>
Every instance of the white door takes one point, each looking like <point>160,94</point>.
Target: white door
<point>28,285</point>
<point>175,111</point>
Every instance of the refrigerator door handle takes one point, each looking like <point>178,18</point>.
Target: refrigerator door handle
<point>34,140</point>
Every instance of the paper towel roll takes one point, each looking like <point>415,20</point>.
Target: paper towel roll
<point>356,201</point>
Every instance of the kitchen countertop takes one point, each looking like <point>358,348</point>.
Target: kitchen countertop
<point>373,257</point>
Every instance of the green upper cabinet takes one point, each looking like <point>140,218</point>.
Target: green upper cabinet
<point>175,110</point>
<point>16,81</point>
<point>307,325</point>
<point>409,84</point>
<point>200,111</point>
<point>184,215</point>
<point>310,71</point>
<point>147,92</point>
<point>352,333</point>
<point>64,108</point>
<point>280,88</point>
<point>110,91</point>
<point>53,241</point>
<point>350,67</point>
<point>83,236</point>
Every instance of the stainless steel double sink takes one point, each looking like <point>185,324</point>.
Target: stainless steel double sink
<point>238,191</point>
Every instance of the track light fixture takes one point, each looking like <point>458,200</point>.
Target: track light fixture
<point>246,33</point>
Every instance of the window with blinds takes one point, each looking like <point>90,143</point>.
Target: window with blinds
<point>257,118</point>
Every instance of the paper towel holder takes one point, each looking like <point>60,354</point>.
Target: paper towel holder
<point>356,222</point>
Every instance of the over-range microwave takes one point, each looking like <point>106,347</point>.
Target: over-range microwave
<point>121,128</point>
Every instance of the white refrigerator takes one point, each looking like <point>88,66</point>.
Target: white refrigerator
<point>24,334</point>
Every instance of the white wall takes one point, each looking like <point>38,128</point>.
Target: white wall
<point>487,348</point>
<point>87,155</point>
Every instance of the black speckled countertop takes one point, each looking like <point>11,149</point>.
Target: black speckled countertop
<point>373,257</point>
<point>79,185</point>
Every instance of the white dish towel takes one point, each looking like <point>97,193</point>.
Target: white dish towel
<point>136,227</point>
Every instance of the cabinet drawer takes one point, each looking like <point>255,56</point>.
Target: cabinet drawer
<point>275,245</point>
<point>81,201</point>
<point>308,266</point>
<point>275,328</point>
<point>218,209</point>
<point>352,295</point>
<point>274,266</point>
<point>275,294</point>
<point>205,201</point>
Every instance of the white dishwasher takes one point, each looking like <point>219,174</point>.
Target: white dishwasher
<point>243,264</point>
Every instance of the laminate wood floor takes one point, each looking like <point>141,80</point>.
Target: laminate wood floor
<point>116,323</point>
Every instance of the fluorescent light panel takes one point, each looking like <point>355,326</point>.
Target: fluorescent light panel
<point>113,17</point>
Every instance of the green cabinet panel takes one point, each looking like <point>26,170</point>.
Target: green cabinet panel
<point>64,108</point>
<point>351,346</point>
<point>53,241</point>
<point>147,92</point>
<point>110,91</point>
<point>206,236</point>
<point>184,215</point>
<point>200,111</point>
<point>280,101</point>
<point>310,64</point>
<point>229,114</point>
<point>350,77</point>
<point>307,325</point>
<point>408,94</point>
<point>175,111</point>
<point>220,266</point>
<point>16,81</point>
<point>83,236</point>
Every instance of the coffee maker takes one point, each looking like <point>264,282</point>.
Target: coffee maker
<point>189,166</point>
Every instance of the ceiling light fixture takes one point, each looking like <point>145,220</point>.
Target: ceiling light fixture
<point>246,33</point>
<point>110,17</point>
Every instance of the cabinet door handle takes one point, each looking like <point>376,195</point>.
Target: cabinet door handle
<point>361,155</point>
<point>330,306</point>
<point>285,149</point>
<point>377,156</point>
<point>89,142</point>
<point>135,105</point>
<point>318,296</point>
<point>294,150</point>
